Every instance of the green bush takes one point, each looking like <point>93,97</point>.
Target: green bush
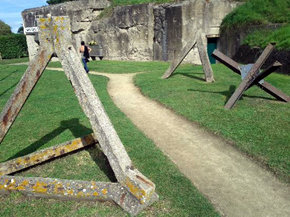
<point>13,46</point>
<point>262,38</point>
<point>258,12</point>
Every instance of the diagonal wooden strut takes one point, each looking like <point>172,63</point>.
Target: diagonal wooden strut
<point>23,89</point>
<point>55,37</point>
<point>197,40</point>
<point>254,80</point>
<point>41,156</point>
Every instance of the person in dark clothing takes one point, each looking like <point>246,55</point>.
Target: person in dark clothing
<point>85,51</point>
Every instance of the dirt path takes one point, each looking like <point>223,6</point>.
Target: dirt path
<point>233,183</point>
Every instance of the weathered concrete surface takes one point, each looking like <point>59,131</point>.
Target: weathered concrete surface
<point>73,189</point>
<point>234,184</point>
<point>128,176</point>
<point>41,156</point>
<point>127,34</point>
<point>81,14</point>
<point>137,32</point>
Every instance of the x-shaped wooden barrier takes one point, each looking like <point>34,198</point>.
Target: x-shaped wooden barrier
<point>252,76</point>
<point>133,192</point>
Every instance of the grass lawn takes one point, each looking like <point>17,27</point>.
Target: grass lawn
<point>118,67</point>
<point>258,125</point>
<point>52,115</point>
<point>12,61</point>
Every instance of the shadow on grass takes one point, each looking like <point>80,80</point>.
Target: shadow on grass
<point>191,75</point>
<point>7,76</point>
<point>5,91</point>
<point>229,93</point>
<point>77,130</point>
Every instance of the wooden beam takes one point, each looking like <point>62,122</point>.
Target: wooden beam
<point>41,156</point>
<point>23,89</point>
<point>204,59</point>
<point>127,175</point>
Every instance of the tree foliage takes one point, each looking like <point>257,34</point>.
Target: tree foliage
<point>13,46</point>
<point>4,28</point>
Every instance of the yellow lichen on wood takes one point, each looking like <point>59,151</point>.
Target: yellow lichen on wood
<point>80,194</point>
<point>70,192</point>
<point>104,191</point>
<point>40,187</point>
<point>136,191</point>
<point>58,188</point>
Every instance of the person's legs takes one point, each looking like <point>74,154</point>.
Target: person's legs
<point>85,65</point>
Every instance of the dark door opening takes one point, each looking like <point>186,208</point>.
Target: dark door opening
<point>211,46</point>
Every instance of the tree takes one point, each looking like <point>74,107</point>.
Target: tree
<point>53,2</point>
<point>4,28</point>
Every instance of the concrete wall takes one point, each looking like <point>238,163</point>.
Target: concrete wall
<point>125,34</point>
<point>139,32</point>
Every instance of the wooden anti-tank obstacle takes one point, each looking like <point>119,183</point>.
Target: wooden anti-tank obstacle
<point>133,191</point>
<point>196,41</point>
<point>251,75</point>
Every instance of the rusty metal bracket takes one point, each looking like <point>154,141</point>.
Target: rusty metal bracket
<point>196,41</point>
<point>253,76</point>
<point>55,38</point>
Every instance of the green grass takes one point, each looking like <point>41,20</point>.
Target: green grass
<point>12,61</point>
<point>262,38</point>
<point>118,67</point>
<point>258,125</point>
<point>52,115</point>
<point>258,12</point>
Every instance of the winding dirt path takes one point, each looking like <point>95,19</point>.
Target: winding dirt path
<point>233,183</point>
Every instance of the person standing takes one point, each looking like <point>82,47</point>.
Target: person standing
<point>85,51</point>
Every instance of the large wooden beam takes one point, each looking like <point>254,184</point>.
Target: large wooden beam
<point>73,189</point>
<point>204,59</point>
<point>41,156</point>
<point>127,175</point>
<point>23,89</point>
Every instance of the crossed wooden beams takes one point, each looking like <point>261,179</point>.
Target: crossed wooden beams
<point>252,76</point>
<point>197,40</point>
<point>133,192</point>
